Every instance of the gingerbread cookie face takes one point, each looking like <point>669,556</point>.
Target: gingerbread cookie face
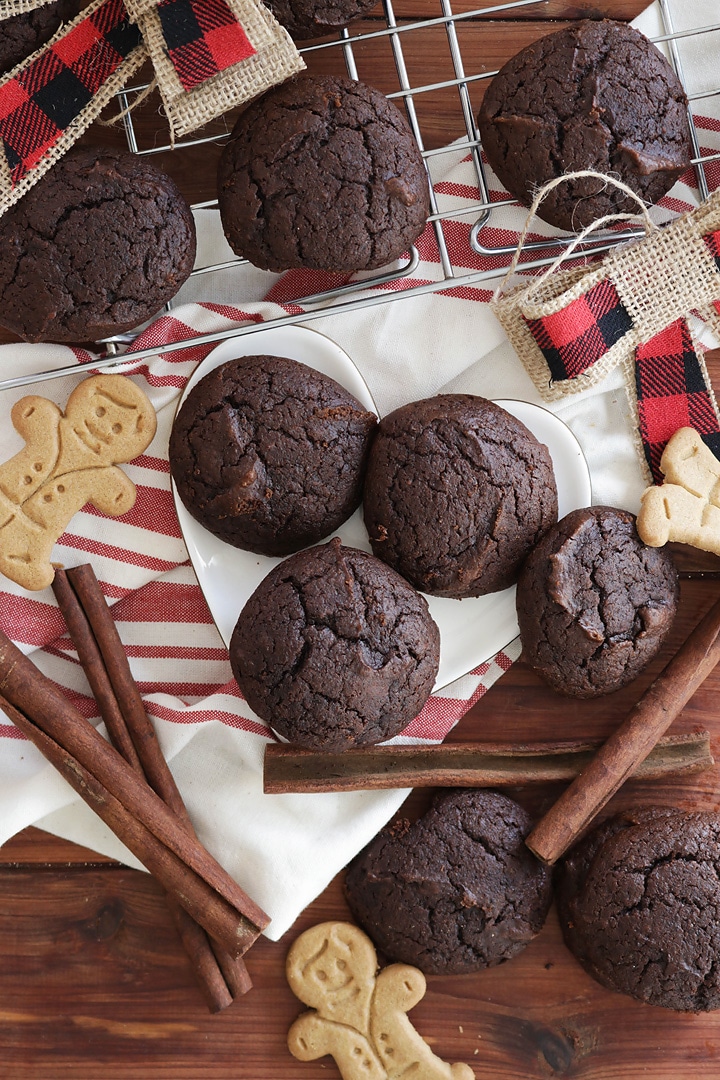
<point>359,1015</point>
<point>109,417</point>
<point>68,460</point>
<point>686,507</point>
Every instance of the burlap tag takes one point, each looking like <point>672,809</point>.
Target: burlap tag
<point>665,276</point>
<point>10,194</point>
<point>275,60</point>
<point>8,8</point>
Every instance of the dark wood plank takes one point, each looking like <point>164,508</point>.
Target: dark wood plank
<point>538,10</point>
<point>94,978</point>
<point>33,846</point>
<point>99,982</point>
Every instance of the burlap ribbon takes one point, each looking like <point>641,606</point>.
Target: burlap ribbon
<point>209,56</point>
<point>631,308</point>
<point>19,7</point>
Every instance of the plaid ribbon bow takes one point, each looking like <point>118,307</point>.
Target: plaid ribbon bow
<point>630,309</point>
<point>208,55</point>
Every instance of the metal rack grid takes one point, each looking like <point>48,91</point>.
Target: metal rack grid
<point>118,352</point>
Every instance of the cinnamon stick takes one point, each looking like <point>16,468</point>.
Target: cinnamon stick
<point>630,744</point>
<point>92,662</point>
<point>288,769</point>
<point>148,828</point>
<point>124,688</point>
<point>164,864</point>
<point>220,976</point>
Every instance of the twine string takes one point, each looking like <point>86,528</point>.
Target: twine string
<point>129,108</point>
<point>641,218</point>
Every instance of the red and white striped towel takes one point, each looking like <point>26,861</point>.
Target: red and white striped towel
<point>282,849</point>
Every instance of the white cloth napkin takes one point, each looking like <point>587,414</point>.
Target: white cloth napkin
<point>283,849</point>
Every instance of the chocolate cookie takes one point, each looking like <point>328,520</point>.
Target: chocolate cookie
<point>334,649</point>
<point>269,454</point>
<point>457,493</point>
<point>94,249</point>
<point>21,35</point>
<point>594,603</point>
<point>315,18</point>
<point>457,890</point>
<point>595,95</point>
<point>322,172</point>
<point>639,905</point>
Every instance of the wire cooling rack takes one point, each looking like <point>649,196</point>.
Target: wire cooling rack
<point>408,94</point>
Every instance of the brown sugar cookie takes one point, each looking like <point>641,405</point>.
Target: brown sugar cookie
<point>594,603</point>
<point>313,18</point>
<point>359,1015</point>
<point>595,95</point>
<point>322,172</point>
<point>457,890</point>
<point>269,454</point>
<point>334,649</point>
<point>639,902</point>
<point>95,248</point>
<point>457,493</point>
<point>69,459</point>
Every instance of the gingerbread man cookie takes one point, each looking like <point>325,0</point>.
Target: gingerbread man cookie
<point>686,507</point>
<point>357,1014</point>
<point>68,460</point>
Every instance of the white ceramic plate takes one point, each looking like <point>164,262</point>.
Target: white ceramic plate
<point>472,630</point>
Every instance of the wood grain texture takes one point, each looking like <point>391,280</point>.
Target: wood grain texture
<point>94,984</point>
<point>93,981</point>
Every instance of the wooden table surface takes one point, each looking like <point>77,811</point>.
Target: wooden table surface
<point>93,982</point>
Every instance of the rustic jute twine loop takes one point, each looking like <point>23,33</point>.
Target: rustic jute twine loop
<point>643,218</point>
<point>131,107</point>
<point>631,309</point>
<point>665,275</point>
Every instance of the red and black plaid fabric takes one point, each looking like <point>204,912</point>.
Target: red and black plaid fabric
<point>203,37</point>
<point>672,393</point>
<point>45,97</point>
<point>712,241</point>
<point>575,338</point>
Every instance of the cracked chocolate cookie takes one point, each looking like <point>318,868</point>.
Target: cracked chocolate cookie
<point>594,603</point>
<point>22,34</point>
<point>322,172</point>
<point>639,906</point>
<point>334,649</point>
<point>457,493</point>
<point>595,95</point>
<point>100,243</point>
<point>269,454</point>
<point>314,18</point>
<point>455,891</point>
